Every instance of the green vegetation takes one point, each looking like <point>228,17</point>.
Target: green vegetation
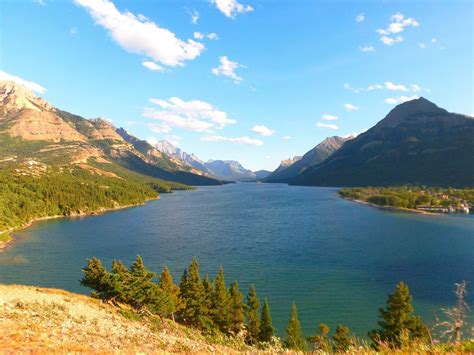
<point>429,199</point>
<point>28,194</point>
<point>5,237</point>
<point>218,312</point>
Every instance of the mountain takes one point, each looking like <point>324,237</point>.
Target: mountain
<point>229,170</point>
<point>171,150</point>
<point>32,129</point>
<point>416,143</point>
<point>261,174</point>
<point>315,156</point>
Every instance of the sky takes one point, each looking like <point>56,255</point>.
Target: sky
<point>256,81</point>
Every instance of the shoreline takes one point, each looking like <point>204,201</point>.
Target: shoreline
<point>10,239</point>
<point>392,208</point>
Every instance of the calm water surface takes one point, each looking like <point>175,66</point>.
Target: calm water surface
<point>337,259</point>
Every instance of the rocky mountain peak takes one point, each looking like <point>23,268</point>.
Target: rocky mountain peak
<point>15,97</point>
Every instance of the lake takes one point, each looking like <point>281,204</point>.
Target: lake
<point>335,258</point>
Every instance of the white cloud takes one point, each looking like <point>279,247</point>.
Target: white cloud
<point>415,88</point>
<point>373,87</point>
<point>286,138</point>
<point>395,87</point>
<point>238,140</point>
<point>212,36</point>
<point>73,31</point>
<point>399,100</point>
<point>368,48</point>
<point>40,2</point>
<point>194,16</point>
<point>28,84</point>
<point>263,130</point>
<point>228,68</point>
<point>137,34</point>
<point>421,45</point>
<point>360,18</point>
<point>350,107</point>
<point>434,40</point>
<point>398,25</point>
<point>389,41</point>
<point>192,115</point>
<point>152,66</point>
<point>174,139</point>
<point>328,117</point>
<point>160,127</point>
<point>327,125</point>
<point>231,8</point>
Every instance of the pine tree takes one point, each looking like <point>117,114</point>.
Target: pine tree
<point>221,303</point>
<point>193,296</point>
<point>253,321</point>
<point>120,282</point>
<point>97,278</point>
<point>294,335</point>
<point>266,325</point>
<point>342,339</point>
<point>168,286</point>
<point>320,340</point>
<point>237,315</point>
<point>208,285</point>
<point>397,321</point>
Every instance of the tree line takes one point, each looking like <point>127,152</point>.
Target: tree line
<point>211,306</point>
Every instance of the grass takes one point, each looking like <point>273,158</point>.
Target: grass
<point>5,237</point>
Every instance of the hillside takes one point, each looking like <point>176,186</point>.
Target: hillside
<point>317,155</point>
<point>416,143</point>
<point>36,319</point>
<point>32,129</point>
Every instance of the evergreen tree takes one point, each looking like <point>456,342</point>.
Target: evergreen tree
<point>237,315</point>
<point>294,335</point>
<point>397,321</point>
<point>342,339</point>
<point>97,278</point>
<point>253,321</point>
<point>193,296</point>
<point>119,282</point>
<point>208,291</point>
<point>266,325</point>
<point>168,286</point>
<point>221,303</point>
<point>320,340</point>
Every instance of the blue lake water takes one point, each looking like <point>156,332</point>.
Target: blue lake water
<point>335,258</point>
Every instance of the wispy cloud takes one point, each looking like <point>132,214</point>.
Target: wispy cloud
<point>28,84</point>
<point>212,36</point>
<point>194,16</point>
<point>368,48</point>
<point>227,68</point>
<point>360,18</point>
<point>137,34</point>
<point>192,115</point>
<point>371,87</point>
<point>238,140</point>
<point>231,8</point>
<point>398,25</point>
<point>263,130</point>
<point>159,127</point>
<point>152,66</point>
<point>328,117</point>
<point>400,100</point>
<point>350,107</point>
<point>326,125</point>
<point>395,87</point>
<point>286,138</point>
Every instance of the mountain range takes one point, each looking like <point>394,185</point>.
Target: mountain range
<point>417,143</point>
<point>32,129</point>
<point>227,170</point>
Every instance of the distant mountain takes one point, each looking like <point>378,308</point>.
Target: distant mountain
<point>171,150</point>
<point>229,170</point>
<point>261,174</point>
<point>315,156</point>
<point>416,143</point>
<point>30,128</point>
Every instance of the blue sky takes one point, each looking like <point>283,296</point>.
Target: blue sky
<point>260,81</point>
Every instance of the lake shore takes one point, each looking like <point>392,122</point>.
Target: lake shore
<point>391,208</point>
<point>9,239</point>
